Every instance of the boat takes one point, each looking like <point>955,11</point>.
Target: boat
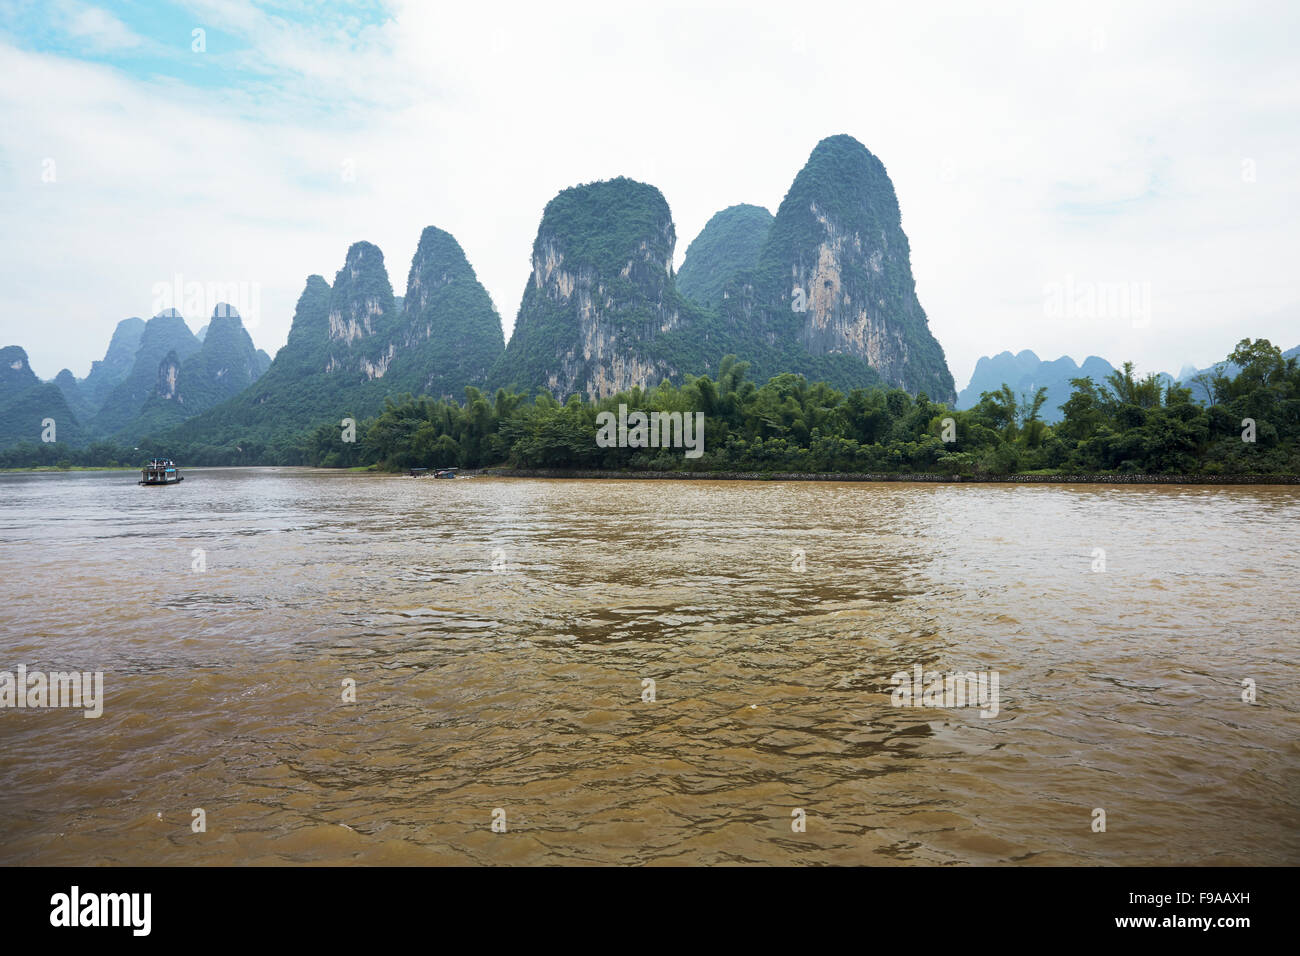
<point>433,472</point>
<point>161,471</point>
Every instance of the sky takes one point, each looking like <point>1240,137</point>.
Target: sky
<point>1112,179</point>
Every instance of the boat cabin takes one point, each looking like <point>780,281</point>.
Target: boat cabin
<point>160,471</point>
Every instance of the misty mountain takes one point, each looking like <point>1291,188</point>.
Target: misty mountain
<point>1025,372</point>
<point>27,404</point>
<point>165,332</point>
<point>225,364</point>
<point>354,343</point>
<point>109,372</point>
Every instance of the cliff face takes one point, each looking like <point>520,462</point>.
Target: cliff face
<point>225,364</point>
<point>165,332</point>
<point>823,289</point>
<point>444,336</point>
<point>352,345</point>
<point>834,278</point>
<point>305,385</point>
<point>361,316</point>
<point>169,373</point>
<point>601,312</point>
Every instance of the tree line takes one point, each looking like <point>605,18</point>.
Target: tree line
<point>1124,425</point>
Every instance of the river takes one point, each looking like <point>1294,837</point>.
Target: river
<point>502,634</point>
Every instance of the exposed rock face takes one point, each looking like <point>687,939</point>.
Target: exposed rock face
<point>224,365</point>
<point>165,332</point>
<point>601,312</point>
<point>835,277</point>
<point>169,372</point>
<point>294,392</point>
<point>446,335</point>
<point>823,289</point>
<point>350,346</point>
<point>361,314</point>
<point>15,374</point>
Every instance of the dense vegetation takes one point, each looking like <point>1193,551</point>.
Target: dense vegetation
<point>226,363</point>
<point>107,373</point>
<point>22,415</point>
<point>842,200</point>
<point>447,304</point>
<point>164,333</point>
<point>602,311</point>
<point>1124,424</point>
<point>605,296</point>
<point>729,243</point>
<point>441,337</point>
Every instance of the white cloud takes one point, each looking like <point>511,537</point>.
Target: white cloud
<point>1100,142</point>
<point>96,27</point>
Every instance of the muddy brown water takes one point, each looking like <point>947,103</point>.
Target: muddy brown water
<point>500,633</point>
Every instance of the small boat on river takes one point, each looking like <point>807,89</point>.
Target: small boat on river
<point>161,471</point>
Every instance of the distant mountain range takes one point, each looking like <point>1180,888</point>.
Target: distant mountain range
<point>27,404</point>
<point>1025,372</point>
<point>823,289</point>
<point>353,343</point>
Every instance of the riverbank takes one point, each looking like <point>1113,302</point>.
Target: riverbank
<point>1060,479</point>
<point>44,468</point>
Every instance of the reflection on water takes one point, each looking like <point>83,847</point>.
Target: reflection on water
<point>499,633</point>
